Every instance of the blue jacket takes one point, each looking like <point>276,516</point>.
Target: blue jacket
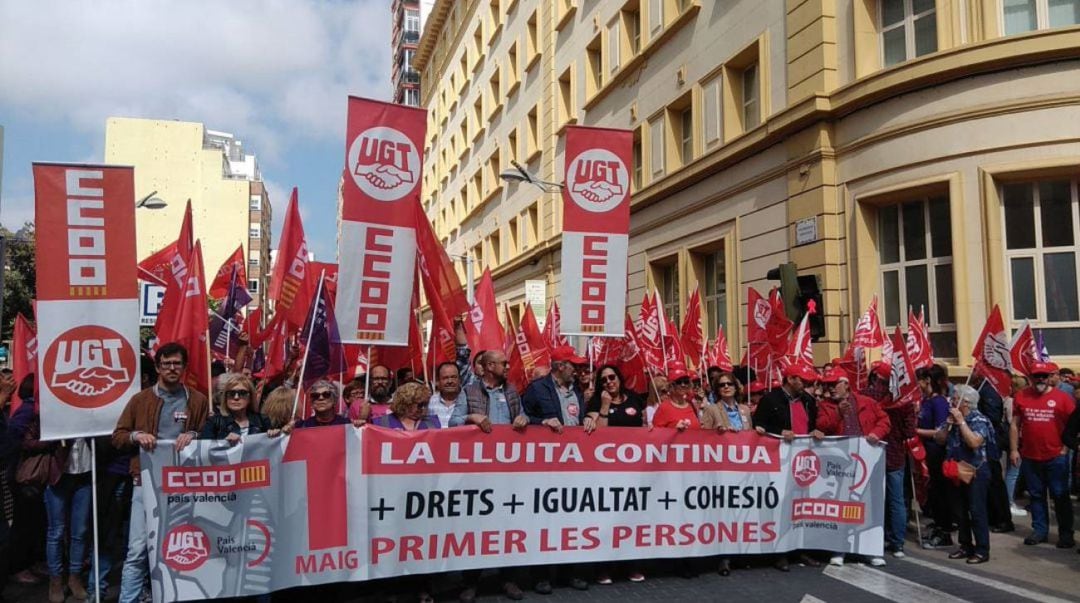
<point>541,401</point>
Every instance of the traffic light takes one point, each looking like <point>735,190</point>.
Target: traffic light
<point>801,294</point>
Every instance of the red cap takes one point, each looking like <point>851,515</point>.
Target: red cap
<point>800,370</point>
<point>1042,368</point>
<point>834,375</point>
<point>676,370</point>
<point>881,369</point>
<point>756,387</point>
<point>565,353</point>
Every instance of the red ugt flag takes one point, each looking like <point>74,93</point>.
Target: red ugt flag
<point>692,335</point>
<point>222,281</point>
<point>23,355</point>
<point>991,353</point>
<point>868,330</point>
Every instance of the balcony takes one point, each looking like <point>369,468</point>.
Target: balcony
<point>410,76</point>
<point>410,37</point>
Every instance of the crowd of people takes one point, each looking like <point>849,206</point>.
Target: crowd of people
<point>961,455</point>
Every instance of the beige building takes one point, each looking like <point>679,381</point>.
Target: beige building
<point>184,160</point>
<point>924,151</point>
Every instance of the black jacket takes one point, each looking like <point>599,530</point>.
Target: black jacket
<point>218,427</point>
<point>540,402</point>
<point>774,414</point>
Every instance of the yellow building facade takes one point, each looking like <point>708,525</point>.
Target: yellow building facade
<point>923,151</point>
<point>183,160</point>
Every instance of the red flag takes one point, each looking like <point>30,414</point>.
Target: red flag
<point>991,353</point>
<point>436,270</point>
<point>482,328</point>
<point>718,354</point>
<point>192,323</point>
<point>169,261</point>
<point>649,332</point>
<point>758,316</point>
<point>918,341</point>
<point>23,355</point>
<point>220,287</point>
<point>673,349</point>
<point>692,335</point>
<point>778,329</point>
<point>631,363</point>
<point>329,270</point>
<point>853,363</point>
<point>276,336</point>
<point>292,286</point>
<point>800,349</point>
<point>1022,350</point>
<point>552,327</point>
<point>516,373</point>
<point>902,382</point>
<point>356,360</point>
<point>441,342</point>
<point>410,356</point>
<point>535,351</point>
<point>868,330</point>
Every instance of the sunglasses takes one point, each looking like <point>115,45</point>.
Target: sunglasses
<point>319,395</point>
<point>1041,376</point>
<point>682,383</point>
<point>609,378</point>
<point>726,384</point>
<point>236,394</point>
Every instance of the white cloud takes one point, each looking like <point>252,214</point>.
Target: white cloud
<point>268,71</point>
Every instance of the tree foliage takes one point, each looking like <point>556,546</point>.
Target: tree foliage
<point>20,276</point>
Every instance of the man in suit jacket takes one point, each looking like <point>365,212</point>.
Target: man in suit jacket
<point>552,400</point>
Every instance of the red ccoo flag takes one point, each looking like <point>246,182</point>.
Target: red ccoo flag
<point>167,264</point>
<point>220,287</point>
<point>291,285</point>
<point>190,329</point>
<point>482,327</point>
<point>436,270</point>
<point>692,335</point>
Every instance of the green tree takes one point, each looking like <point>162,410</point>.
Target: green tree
<point>20,276</point>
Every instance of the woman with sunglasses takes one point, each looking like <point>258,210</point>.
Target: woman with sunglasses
<point>237,414</point>
<point>612,405</point>
<point>409,409</point>
<point>324,401</point>
<point>677,409</point>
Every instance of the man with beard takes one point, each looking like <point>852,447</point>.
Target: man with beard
<point>379,396</point>
<point>1040,415</point>
<point>552,401</point>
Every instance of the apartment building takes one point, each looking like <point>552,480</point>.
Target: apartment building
<point>924,151</point>
<point>184,160</point>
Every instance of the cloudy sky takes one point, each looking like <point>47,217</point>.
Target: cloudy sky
<point>275,73</point>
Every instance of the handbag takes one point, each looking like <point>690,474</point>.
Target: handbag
<point>33,470</point>
<point>958,472</point>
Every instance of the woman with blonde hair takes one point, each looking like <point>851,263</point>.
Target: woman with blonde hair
<point>409,409</point>
<point>278,406</point>
<point>237,416</point>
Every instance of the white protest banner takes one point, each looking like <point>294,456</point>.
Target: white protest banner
<point>332,504</point>
<point>87,297</point>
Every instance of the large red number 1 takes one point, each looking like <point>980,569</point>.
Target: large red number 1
<point>322,449</point>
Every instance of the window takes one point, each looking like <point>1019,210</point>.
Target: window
<point>1040,222</point>
<point>253,285</point>
<point>478,117</point>
<point>494,93</point>
<point>908,29</point>
<point>512,238</point>
<point>532,134</point>
<point>686,136</point>
<point>594,68</point>
<point>494,248</point>
<point>751,105</point>
<point>532,41</point>
<point>710,112</point>
<point>656,146</point>
<point>637,159</point>
<point>915,249</point>
<point>656,17</point>
<point>532,226</point>
<point>255,231</point>
<point>1028,15</point>
<point>412,97</point>
<point>493,171</point>
<point>512,145</point>
<point>667,283</point>
<point>714,291</point>
<point>631,20</point>
<point>566,97</point>
<point>255,204</point>
<point>478,256</point>
<point>512,69</point>
<point>494,18</point>
<point>412,21</point>
<point>477,189</point>
<point>614,41</point>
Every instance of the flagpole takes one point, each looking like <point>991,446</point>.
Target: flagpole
<point>367,380</point>
<point>307,346</point>
<point>588,342</point>
<point>94,510</point>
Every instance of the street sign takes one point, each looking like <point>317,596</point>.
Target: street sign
<point>3,354</point>
<point>536,296</point>
<point>150,296</point>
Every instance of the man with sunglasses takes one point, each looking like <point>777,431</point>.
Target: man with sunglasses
<point>1040,415</point>
<point>553,401</point>
<point>166,411</point>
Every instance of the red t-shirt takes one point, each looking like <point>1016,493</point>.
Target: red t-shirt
<point>1042,420</point>
<point>667,415</point>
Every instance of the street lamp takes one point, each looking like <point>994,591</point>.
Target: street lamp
<point>151,202</point>
<point>519,174</point>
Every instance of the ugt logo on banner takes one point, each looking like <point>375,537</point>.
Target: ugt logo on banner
<point>89,366</point>
<point>596,223</point>
<point>378,231</point>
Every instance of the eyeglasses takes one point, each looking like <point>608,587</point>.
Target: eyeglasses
<point>609,378</point>
<point>726,384</point>
<point>171,364</point>
<point>682,383</point>
<point>323,395</point>
<point>1041,376</point>
<point>236,394</point>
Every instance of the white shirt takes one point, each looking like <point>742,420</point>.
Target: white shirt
<point>438,407</point>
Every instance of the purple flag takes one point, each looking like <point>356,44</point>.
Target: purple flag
<point>325,357</point>
<point>224,327</point>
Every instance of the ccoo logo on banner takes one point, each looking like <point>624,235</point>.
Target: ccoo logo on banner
<point>88,297</point>
<point>596,225</point>
<point>378,235</point>
<point>336,504</point>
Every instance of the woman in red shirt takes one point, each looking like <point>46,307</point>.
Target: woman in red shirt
<point>677,409</point>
